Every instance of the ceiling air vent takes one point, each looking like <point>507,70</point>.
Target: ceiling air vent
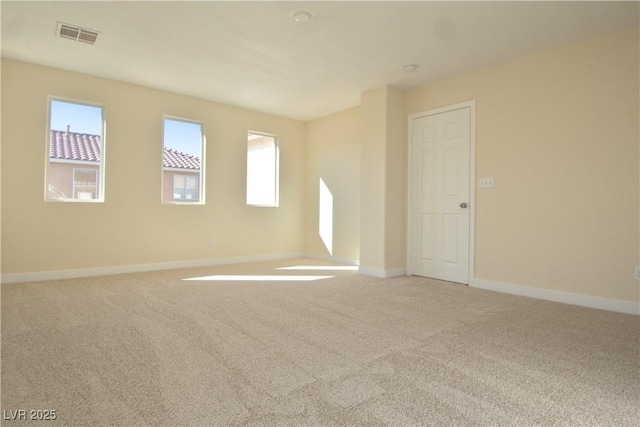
<point>79,34</point>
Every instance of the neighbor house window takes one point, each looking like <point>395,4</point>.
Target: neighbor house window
<point>75,152</point>
<point>185,187</point>
<point>85,183</point>
<point>182,161</point>
<point>262,169</point>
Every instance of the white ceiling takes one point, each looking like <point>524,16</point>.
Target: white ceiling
<point>254,55</point>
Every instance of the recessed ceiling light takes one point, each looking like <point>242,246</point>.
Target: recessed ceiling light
<point>302,16</point>
<point>410,68</point>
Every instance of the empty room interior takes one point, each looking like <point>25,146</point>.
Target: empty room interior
<point>320,213</point>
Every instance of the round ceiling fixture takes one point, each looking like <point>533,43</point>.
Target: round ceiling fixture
<point>410,68</point>
<point>302,16</point>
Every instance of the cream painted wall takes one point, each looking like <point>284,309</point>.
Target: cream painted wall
<point>396,177</point>
<point>559,131</point>
<point>373,175</point>
<point>333,154</point>
<point>132,226</point>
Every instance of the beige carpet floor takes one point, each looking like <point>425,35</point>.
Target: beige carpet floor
<point>155,349</point>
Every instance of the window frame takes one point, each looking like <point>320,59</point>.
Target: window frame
<point>201,172</point>
<point>276,195</point>
<point>100,186</point>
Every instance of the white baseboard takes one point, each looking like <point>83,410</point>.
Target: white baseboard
<point>621,306</point>
<point>383,274</point>
<point>138,268</point>
<point>330,258</point>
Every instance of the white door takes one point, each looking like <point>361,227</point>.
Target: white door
<point>440,196</point>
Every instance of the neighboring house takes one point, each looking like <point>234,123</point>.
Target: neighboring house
<point>74,165</point>
<point>180,176</point>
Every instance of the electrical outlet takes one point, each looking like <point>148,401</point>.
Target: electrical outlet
<point>212,242</point>
<point>637,274</point>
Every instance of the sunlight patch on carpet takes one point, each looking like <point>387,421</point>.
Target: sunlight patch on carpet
<point>321,267</point>
<point>258,278</point>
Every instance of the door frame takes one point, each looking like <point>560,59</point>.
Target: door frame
<point>472,180</point>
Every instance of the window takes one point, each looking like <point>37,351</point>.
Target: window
<point>262,170</point>
<point>185,187</point>
<point>85,183</point>
<point>182,166</point>
<point>75,152</point>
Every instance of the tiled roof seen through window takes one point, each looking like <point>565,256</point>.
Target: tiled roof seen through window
<point>66,145</point>
<point>176,159</point>
<point>74,146</point>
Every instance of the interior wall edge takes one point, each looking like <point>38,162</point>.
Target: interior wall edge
<point>382,273</point>
<point>330,258</point>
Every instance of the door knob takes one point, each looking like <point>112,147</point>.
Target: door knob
<point>463,205</point>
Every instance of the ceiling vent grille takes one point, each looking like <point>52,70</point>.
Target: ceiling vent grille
<point>79,34</point>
